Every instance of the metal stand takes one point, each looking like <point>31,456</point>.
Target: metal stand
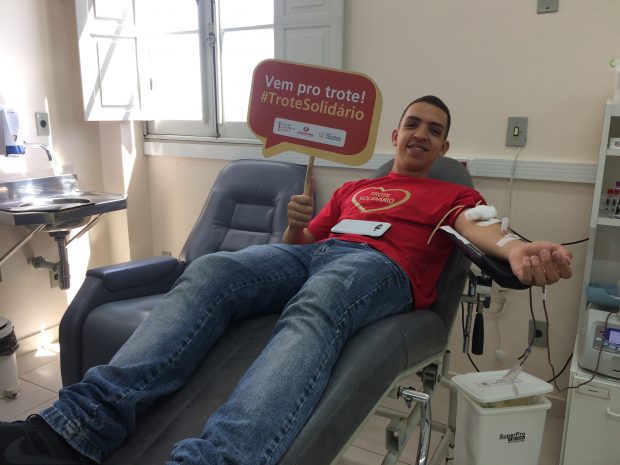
<point>424,400</point>
<point>22,242</point>
<point>402,427</point>
<point>478,294</point>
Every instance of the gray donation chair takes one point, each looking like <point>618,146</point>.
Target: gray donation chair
<point>248,206</point>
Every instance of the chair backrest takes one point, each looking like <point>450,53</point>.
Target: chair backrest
<point>443,168</point>
<point>247,206</point>
<point>452,279</point>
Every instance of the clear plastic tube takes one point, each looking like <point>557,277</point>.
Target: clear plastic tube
<point>615,63</point>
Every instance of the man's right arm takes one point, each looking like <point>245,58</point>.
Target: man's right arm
<point>300,210</point>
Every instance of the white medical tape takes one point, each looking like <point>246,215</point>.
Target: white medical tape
<point>488,222</point>
<point>481,212</point>
<point>504,227</point>
<point>506,239</point>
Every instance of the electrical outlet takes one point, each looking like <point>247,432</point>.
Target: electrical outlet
<point>516,132</point>
<point>539,331</point>
<point>43,123</point>
<point>548,6</point>
<point>54,282</point>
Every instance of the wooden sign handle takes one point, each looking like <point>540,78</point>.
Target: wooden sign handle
<point>308,180</point>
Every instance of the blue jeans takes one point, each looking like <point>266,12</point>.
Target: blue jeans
<point>326,291</point>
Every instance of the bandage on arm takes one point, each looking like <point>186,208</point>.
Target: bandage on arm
<point>481,213</point>
<point>487,239</point>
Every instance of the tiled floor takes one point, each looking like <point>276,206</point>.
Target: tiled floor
<point>40,382</point>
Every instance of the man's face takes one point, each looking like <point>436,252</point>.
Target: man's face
<point>419,139</point>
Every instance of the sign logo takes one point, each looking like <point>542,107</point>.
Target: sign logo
<point>372,199</point>
<point>512,438</point>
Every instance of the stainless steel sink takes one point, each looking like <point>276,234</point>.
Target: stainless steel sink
<point>48,204</point>
<point>34,187</point>
<point>54,204</point>
<point>54,201</point>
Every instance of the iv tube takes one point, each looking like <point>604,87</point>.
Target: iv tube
<point>615,63</point>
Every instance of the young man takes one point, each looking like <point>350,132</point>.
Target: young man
<point>328,285</point>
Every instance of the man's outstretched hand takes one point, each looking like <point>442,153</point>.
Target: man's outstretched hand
<point>540,263</point>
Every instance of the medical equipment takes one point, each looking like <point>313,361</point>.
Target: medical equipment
<point>599,341</point>
<point>481,213</point>
<point>478,295</point>
<point>615,63</point>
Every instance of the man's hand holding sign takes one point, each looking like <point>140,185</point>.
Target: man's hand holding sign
<point>321,112</point>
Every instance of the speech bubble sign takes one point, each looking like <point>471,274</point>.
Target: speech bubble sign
<point>322,112</point>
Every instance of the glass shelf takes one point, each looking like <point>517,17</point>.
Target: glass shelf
<point>608,221</point>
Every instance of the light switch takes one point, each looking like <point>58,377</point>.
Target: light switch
<point>548,6</point>
<point>516,132</point>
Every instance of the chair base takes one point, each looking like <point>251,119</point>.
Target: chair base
<point>432,371</point>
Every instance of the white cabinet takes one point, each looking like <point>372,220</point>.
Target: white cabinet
<point>592,424</point>
<point>592,430</point>
<point>603,256</point>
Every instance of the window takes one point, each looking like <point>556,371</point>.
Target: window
<point>238,35</point>
<point>186,66</point>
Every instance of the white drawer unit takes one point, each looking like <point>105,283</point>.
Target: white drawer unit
<point>592,421</point>
<point>592,429</point>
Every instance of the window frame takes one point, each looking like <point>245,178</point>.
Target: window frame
<point>308,31</point>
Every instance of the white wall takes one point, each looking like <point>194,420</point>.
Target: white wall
<point>492,59</point>
<point>39,72</point>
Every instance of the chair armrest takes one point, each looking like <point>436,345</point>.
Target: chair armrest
<point>137,273</point>
<point>128,280</point>
<point>498,270</point>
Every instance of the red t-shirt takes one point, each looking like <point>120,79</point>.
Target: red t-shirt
<point>413,207</point>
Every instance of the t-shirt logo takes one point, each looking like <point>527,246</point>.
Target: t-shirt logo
<point>372,199</point>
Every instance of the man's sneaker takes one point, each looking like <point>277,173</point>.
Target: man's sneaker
<point>34,442</point>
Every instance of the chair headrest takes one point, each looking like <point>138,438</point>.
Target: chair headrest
<point>443,169</point>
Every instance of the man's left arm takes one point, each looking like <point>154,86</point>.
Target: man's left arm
<point>537,263</point>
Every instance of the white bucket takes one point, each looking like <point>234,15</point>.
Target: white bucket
<point>502,425</point>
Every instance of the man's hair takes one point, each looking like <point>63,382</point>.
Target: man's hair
<point>431,100</point>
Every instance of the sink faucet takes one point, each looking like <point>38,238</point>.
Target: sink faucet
<point>50,155</point>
